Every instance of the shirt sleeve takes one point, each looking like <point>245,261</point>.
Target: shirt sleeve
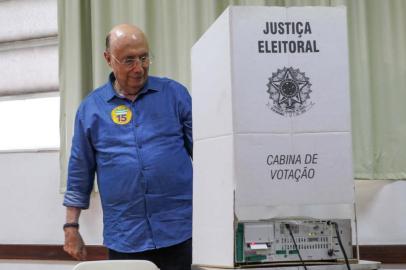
<point>185,109</point>
<point>81,169</point>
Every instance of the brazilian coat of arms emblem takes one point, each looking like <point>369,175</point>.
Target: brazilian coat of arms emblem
<point>289,92</point>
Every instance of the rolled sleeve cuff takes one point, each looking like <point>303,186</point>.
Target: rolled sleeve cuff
<point>76,199</point>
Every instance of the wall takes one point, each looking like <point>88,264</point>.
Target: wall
<point>31,202</point>
<point>32,206</point>
<point>380,209</point>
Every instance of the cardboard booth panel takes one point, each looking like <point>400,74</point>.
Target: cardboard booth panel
<point>292,170</point>
<point>211,82</point>
<point>213,245</point>
<point>213,201</point>
<point>213,178</point>
<point>289,69</point>
<point>321,211</point>
<point>330,81</point>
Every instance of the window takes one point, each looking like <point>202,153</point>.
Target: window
<point>27,124</point>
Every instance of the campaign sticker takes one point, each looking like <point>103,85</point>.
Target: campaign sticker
<point>121,115</point>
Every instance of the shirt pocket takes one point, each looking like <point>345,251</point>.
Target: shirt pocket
<point>160,129</point>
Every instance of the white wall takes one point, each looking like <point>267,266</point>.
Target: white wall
<point>381,212</point>
<point>31,202</point>
<point>31,205</point>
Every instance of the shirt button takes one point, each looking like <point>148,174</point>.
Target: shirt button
<point>140,146</point>
<point>137,125</point>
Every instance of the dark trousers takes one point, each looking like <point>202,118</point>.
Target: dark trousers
<point>177,257</point>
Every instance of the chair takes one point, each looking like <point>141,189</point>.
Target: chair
<point>116,265</point>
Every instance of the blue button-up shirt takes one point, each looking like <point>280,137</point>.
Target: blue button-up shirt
<point>141,152</point>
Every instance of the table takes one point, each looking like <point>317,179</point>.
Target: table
<point>361,265</point>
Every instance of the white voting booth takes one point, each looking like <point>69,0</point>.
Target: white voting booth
<point>271,123</point>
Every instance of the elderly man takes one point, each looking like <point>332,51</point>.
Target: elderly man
<point>135,132</point>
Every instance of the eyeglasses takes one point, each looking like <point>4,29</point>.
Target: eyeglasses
<point>131,62</point>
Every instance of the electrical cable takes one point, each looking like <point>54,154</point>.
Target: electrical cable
<point>294,242</point>
<point>341,245</point>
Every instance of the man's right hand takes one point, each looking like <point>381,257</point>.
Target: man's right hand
<point>74,244</point>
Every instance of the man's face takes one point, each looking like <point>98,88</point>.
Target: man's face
<point>130,77</point>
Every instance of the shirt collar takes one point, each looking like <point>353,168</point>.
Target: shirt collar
<point>109,93</point>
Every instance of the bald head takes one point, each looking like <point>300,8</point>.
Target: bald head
<point>123,34</point>
<point>127,54</point>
